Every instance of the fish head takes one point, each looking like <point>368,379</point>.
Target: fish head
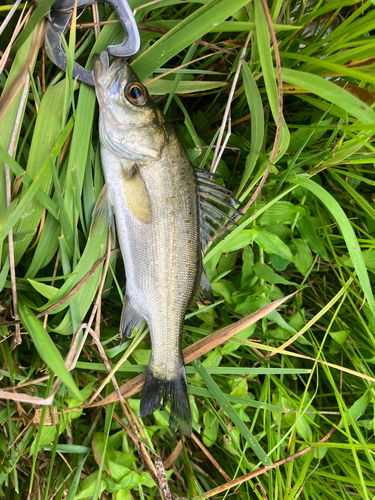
<point>131,125</point>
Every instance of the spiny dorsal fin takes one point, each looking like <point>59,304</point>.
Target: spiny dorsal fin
<point>217,205</point>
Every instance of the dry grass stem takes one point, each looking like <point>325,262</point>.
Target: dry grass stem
<point>263,470</point>
<point>220,150</point>
<point>146,5</point>
<point>308,325</point>
<point>95,17</point>
<point>314,360</point>
<point>18,28</point>
<point>210,457</point>
<point>173,456</point>
<point>116,367</point>
<point>176,68</point>
<point>9,16</point>
<point>163,483</point>
<point>8,97</point>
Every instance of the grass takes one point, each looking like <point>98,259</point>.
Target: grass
<point>282,388</point>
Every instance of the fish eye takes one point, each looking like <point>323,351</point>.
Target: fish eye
<point>136,94</point>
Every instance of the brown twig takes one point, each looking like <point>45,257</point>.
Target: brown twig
<point>95,17</point>
<point>210,457</point>
<point>176,68</point>
<point>153,2</point>
<point>9,16</point>
<point>168,462</point>
<point>20,22</point>
<point>263,470</point>
<point>163,483</point>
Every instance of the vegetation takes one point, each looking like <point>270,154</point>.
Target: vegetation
<point>283,400</point>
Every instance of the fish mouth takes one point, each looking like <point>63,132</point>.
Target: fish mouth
<point>100,65</point>
<point>104,74</point>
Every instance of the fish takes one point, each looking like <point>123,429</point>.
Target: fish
<point>166,214</point>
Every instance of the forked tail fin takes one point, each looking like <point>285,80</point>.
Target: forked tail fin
<point>156,389</point>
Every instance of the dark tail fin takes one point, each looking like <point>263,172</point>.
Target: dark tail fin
<point>157,389</point>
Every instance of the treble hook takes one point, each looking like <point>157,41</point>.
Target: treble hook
<point>59,19</point>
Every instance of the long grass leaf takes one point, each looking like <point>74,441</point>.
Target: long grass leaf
<point>331,93</point>
<point>231,412</point>
<point>46,348</point>
<point>263,39</point>
<point>347,231</point>
<point>257,122</point>
<point>184,34</point>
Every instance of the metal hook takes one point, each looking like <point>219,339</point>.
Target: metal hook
<point>59,19</point>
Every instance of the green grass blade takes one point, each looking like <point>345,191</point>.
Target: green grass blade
<point>231,412</point>
<point>263,39</point>
<point>331,93</point>
<point>347,231</point>
<point>257,122</point>
<point>46,348</point>
<point>47,131</point>
<point>184,34</point>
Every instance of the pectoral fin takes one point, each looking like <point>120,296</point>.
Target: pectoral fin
<point>136,196</point>
<point>102,215</point>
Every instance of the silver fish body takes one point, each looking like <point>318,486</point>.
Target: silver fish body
<point>153,193</point>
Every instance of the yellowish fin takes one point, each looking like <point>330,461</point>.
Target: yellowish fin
<point>137,196</point>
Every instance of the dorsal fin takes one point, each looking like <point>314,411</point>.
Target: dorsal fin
<point>217,206</point>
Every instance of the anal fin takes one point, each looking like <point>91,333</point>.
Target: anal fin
<point>204,291</point>
<point>131,318</point>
